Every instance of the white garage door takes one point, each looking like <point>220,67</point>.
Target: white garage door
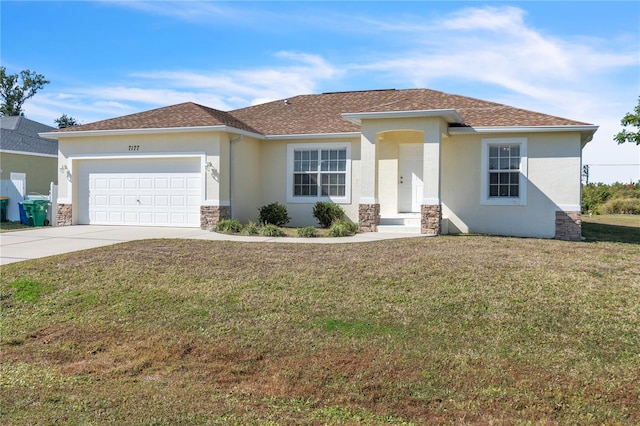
<point>143,192</point>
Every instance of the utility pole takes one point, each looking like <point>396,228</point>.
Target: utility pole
<point>585,173</point>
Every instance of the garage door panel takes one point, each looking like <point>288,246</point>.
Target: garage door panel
<point>178,183</point>
<point>178,200</point>
<point>131,183</point>
<point>162,218</point>
<point>193,201</point>
<point>162,201</point>
<point>99,183</point>
<point>115,183</point>
<point>145,183</point>
<point>115,216</point>
<point>145,201</point>
<point>154,197</point>
<point>193,183</point>
<point>161,183</point>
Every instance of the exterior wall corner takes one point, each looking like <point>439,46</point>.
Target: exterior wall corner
<point>368,217</point>
<point>568,225</point>
<point>64,215</point>
<point>431,219</point>
<point>211,215</point>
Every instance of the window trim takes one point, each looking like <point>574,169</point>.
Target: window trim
<point>485,199</point>
<point>291,148</point>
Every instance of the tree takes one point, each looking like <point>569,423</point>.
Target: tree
<point>65,121</point>
<point>632,120</point>
<point>14,94</point>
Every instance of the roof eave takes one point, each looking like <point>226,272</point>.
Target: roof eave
<point>449,115</point>
<point>340,135</point>
<point>128,132</point>
<point>586,131</point>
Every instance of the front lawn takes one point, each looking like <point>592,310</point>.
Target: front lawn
<point>457,330</point>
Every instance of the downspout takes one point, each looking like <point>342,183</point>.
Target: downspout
<point>232,142</point>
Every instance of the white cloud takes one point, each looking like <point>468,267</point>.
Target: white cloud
<point>303,74</point>
<point>198,11</point>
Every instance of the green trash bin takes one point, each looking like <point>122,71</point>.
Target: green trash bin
<point>3,208</point>
<point>36,211</point>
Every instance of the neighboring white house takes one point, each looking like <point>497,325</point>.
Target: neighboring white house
<point>28,163</point>
<point>390,158</point>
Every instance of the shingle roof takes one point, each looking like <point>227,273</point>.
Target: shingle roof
<point>322,113</point>
<point>187,114</point>
<point>21,134</point>
<point>309,114</point>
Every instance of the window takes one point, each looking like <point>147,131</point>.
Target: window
<point>318,172</point>
<point>504,171</point>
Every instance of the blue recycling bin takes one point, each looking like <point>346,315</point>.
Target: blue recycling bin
<point>23,214</point>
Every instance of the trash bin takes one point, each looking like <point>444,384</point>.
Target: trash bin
<point>3,208</point>
<point>36,211</point>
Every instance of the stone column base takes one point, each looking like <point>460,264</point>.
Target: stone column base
<point>431,219</point>
<point>569,226</point>
<point>211,215</point>
<point>64,214</point>
<point>368,217</point>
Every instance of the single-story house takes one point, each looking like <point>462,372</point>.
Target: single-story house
<point>391,158</point>
<point>28,163</point>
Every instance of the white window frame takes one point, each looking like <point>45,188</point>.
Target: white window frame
<point>291,148</point>
<point>521,199</point>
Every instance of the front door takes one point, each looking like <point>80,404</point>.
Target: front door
<point>410,184</point>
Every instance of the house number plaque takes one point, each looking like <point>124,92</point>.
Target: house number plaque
<point>134,147</point>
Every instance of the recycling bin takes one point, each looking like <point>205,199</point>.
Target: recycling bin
<point>3,208</point>
<point>23,214</point>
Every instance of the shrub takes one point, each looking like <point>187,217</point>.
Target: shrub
<point>250,228</point>
<point>307,232</point>
<point>342,228</point>
<point>326,213</point>
<point>271,230</point>
<point>596,195</point>
<point>229,226</point>
<point>622,206</point>
<point>273,214</point>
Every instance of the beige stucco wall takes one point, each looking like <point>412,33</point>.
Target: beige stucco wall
<point>246,179</point>
<point>213,145</point>
<point>40,171</point>
<point>273,178</point>
<point>553,184</point>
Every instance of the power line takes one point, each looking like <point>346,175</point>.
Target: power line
<point>617,165</point>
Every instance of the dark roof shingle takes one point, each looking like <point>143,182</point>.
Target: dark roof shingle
<point>322,113</point>
<point>187,114</point>
<point>21,134</point>
<point>310,114</point>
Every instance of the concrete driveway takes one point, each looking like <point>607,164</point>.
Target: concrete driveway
<point>35,243</point>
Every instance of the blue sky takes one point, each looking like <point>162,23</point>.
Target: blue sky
<point>579,60</point>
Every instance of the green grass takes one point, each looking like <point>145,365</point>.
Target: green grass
<point>458,330</point>
<point>13,226</point>
<point>612,228</point>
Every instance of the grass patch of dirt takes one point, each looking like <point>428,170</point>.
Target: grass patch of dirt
<point>449,330</point>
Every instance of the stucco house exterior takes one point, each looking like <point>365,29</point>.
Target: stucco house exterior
<point>28,163</point>
<point>412,159</point>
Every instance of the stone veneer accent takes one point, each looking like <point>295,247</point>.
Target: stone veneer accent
<point>211,215</point>
<point>368,217</point>
<point>431,219</point>
<point>64,214</point>
<point>568,225</point>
